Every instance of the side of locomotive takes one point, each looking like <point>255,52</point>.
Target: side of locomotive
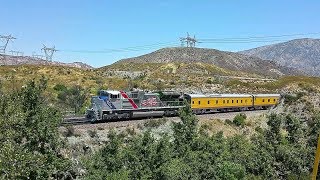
<point>112,105</point>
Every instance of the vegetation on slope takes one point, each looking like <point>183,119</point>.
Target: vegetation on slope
<point>31,146</point>
<point>285,149</point>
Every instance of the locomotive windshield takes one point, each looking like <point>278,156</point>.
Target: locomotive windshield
<point>103,93</point>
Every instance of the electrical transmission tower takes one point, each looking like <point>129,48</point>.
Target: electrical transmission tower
<point>48,52</point>
<point>6,40</point>
<point>191,42</point>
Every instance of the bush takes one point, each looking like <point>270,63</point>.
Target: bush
<point>60,87</point>
<point>130,131</point>
<point>259,129</point>
<point>239,120</point>
<point>155,123</point>
<point>228,121</point>
<point>92,133</point>
<point>70,131</point>
<point>289,99</point>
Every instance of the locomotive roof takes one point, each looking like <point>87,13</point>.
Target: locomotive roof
<point>111,92</point>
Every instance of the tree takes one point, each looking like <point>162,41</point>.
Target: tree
<point>185,132</point>
<point>73,97</point>
<point>29,139</point>
<point>294,128</point>
<point>273,133</point>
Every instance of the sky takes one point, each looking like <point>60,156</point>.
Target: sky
<point>85,31</point>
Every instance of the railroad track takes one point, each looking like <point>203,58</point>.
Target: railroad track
<point>221,115</point>
<point>75,120</point>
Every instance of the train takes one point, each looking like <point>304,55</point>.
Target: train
<point>115,105</point>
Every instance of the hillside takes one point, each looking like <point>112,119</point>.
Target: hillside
<point>222,59</point>
<point>302,54</point>
<point>21,60</point>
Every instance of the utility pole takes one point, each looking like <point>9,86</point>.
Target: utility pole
<point>6,40</point>
<point>191,42</point>
<point>48,52</point>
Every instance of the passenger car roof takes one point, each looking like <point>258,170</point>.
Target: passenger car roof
<point>218,95</point>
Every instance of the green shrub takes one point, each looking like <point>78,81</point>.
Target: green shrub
<point>228,121</point>
<point>60,87</point>
<point>289,99</point>
<point>70,131</point>
<point>92,133</point>
<point>155,123</point>
<point>130,131</point>
<point>259,129</point>
<point>239,119</point>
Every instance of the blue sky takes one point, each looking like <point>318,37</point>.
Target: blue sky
<point>96,25</point>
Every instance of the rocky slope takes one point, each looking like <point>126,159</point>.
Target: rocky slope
<point>302,54</point>
<point>20,60</point>
<point>226,60</point>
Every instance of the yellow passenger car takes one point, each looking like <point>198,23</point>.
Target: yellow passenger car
<point>202,103</point>
<point>265,100</point>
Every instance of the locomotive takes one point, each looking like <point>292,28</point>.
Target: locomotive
<point>113,105</point>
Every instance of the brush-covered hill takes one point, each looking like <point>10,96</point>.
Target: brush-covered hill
<point>222,59</point>
<point>173,76</point>
<point>302,54</point>
<point>27,60</point>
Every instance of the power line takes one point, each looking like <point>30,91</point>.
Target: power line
<point>127,49</point>
<point>257,37</point>
<point>190,42</point>
<point>16,53</point>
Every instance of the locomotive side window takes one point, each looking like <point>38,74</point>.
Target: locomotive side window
<point>228,101</point>
<point>245,101</point>
<point>232,101</point>
<point>208,102</point>
<point>114,96</point>
<point>192,102</point>
<point>268,100</point>
<point>262,100</point>
<point>224,101</point>
<point>199,102</point>
<point>217,101</point>
<point>274,100</point>
<point>237,101</point>
<point>241,101</point>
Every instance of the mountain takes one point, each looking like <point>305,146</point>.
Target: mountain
<point>27,60</point>
<point>302,54</point>
<point>222,59</point>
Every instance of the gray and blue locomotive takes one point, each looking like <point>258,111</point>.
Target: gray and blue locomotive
<point>112,105</point>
